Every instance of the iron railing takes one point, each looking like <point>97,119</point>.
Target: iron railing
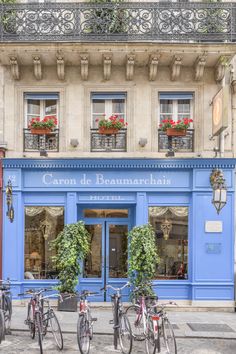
<point>108,143</point>
<point>42,142</point>
<point>122,22</point>
<point>179,143</point>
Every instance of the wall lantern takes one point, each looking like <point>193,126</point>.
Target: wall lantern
<point>217,181</point>
<point>10,209</point>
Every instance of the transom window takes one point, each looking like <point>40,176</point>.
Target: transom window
<point>107,104</point>
<point>175,106</point>
<point>40,105</point>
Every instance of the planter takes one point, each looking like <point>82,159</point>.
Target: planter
<point>40,131</point>
<point>68,304</point>
<point>175,132</point>
<point>108,131</point>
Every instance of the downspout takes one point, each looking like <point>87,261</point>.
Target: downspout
<point>2,154</point>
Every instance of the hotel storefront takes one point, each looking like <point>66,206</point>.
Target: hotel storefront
<point>194,243</point>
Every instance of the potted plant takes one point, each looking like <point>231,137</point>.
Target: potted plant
<point>143,258</point>
<point>44,126</point>
<point>177,128</point>
<point>111,125</point>
<point>72,245</point>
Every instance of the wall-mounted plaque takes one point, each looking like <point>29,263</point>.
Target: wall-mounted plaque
<point>220,105</point>
<point>213,248</point>
<point>213,226</point>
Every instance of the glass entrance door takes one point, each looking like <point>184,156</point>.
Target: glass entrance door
<point>107,260</point>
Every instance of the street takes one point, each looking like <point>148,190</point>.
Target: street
<point>20,342</point>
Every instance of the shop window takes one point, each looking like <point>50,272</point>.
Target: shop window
<point>175,106</point>
<point>107,104</point>
<point>106,213</point>
<point>42,225</point>
<point>40,105</point>
<point>171,229</point>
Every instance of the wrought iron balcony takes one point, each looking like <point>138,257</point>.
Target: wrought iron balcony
<point>34,142</point>
<point>108,143</point>
<point>141,21</point>
<point>179,143</point>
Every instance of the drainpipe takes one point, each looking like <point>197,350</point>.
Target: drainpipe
<point>2,154</point>
<point>233,114</point>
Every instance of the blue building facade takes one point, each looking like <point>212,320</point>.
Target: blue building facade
<point>196,245</point>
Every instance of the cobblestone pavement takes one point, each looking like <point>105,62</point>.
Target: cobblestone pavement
<point>20,342</point>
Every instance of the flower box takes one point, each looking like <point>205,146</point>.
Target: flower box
<point>175,132</point>
<point>37,131</point>
<point>108,131</point>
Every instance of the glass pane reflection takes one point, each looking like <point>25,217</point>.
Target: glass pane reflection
<point>106,213</point>
<point>118,244</point>
<point>93,262</point>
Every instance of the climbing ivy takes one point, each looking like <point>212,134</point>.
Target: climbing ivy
<point>72,245</point>
<point>143,257</point>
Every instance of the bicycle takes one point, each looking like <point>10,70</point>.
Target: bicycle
<point>6,304</point>
<point>2,326</point>
<point>121,325</point>
<point>39,320</point>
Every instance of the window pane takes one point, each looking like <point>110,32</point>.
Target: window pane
<point>105,213</point>
<point>96,119</point>
<point>184,106</point>
<point>171,229</point>
<point>118,253</point>
<point>93,262</point>
<point>165,116</point>
<point>33,107</point>
<point>118,106</point>
<point>99,106</point>
<point>42,225</point>
<point>50,107</point>
<point>166,106</point>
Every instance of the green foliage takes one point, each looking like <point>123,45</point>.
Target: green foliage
<point>7,1</point>
<point>143,258</point>
<point>72,245</point>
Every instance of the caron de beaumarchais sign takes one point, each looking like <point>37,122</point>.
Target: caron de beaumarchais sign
<point>220,105</point>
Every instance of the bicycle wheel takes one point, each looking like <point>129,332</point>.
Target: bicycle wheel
<point>89,318</point>
<point>125,334</point>
<point>151,343</point>
<point>30,320</point>
<point>135,317</point>
<point>56,329</point>
<point>2,326</point>
<point>83,336</point>
<point>169,336</point>
<point>39,329</point>
<point>7,308</point>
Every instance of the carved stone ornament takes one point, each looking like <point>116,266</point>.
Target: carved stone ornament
<point>15,71</point>
<point>153,63</point>
<point>221,65</point>
<point>37,67</point>
<point>84,66</point>
<point>233,86</point>
<point>107,59</point>
<point>60,67</point>
<point>199,67</point>
<point>130,67</point>
<point>175,67</point>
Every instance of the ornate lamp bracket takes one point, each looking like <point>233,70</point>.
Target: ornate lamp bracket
<point>9,199</point>
<point>218,184</point>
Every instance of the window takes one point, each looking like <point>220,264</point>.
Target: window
<point>42,225</point>
<point>175,105</point>
<point>40,105</point>
<point>107,104</point>
<point>171,229</point>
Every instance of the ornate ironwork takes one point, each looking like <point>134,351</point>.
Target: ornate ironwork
<point>42,142</point>
<point>108,143</point>
<point>179,143</point>
<point>159,21</point>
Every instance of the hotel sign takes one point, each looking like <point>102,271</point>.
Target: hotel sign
<point>220,105</point>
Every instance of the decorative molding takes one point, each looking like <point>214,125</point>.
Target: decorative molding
<point>15,70</point>
<point>175,67</point>
<point>60,67</point>
<point>233,86</point>
<point>37,67</point>
<point>107,59</point>
<point>130,67</point>
<point>153,63</point>
<point>221,65</point>
<point>199,67</point>
<point>145,164</point>
<point>84,66</point>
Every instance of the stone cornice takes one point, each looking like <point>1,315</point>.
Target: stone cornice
<point>145,164</point>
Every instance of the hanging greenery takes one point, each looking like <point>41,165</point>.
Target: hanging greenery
<point>72,245</point>
<point>143,258</point>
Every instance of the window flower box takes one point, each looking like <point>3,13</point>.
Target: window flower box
<point>107,131</point>
<point>175,132</point>
<point>38,131</point>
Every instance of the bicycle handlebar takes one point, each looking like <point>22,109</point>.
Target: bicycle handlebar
<point>35,292</point>
<point>115,289</point>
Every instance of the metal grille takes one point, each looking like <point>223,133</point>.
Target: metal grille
<point>33,142</point>
<point>179,143</point>
<point>108,143</point>
<point>163,21</point>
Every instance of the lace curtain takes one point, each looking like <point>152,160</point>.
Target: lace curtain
<point>177,211</point>
<point>53,211</point>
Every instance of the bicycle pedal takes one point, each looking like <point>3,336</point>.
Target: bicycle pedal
<point>94,319</point>
<point>111,321</point>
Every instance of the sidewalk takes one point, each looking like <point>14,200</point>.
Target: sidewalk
<point>185,324</point>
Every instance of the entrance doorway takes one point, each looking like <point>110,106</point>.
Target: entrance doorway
<point>107,260</point>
